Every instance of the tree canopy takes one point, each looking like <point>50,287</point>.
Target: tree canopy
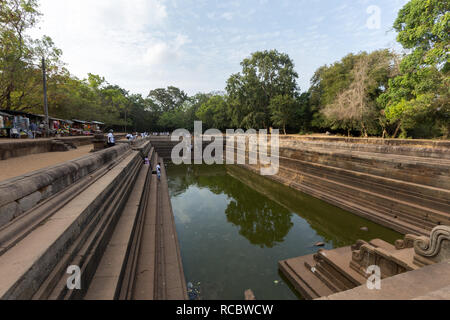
<point>418,100</point>
<point>379,93</point>
<point>265,75</point>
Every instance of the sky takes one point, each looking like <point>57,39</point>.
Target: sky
<point>197,45</point>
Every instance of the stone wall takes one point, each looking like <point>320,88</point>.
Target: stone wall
<point>429,283</point>
<point>445,144</point>
<point>20,194</point>
<point>20,148</point>
<point>401,184</point>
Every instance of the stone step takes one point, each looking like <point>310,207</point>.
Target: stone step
<point>349,203</point>
<point>417,284</point>
<point>383,244</point>
<point>425,196</point>
<point>340,259</point>
<point>19,228</point>
<point>410,143</point>
<point>410,192</point>
<point>144,275</point>
<point>333,275</point>
<point>29,263</point>
<point>60,147</point>
<point>407,257</point>
<point>374,200</point>
<point>303,280</point>
<point>106,283</point>
<point>368,152</point>
<point>405,170</point>
<point>387,205</point>
<point>87,249</point>
<point>175,283</point>
<point>422,151</point>
<point>402,190</point>
<point>364,211</point>
<point>422,218</point>
<point>381,159</point>
<point>323,275</point>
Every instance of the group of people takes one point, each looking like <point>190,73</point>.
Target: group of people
<point>135,136</point>
<point>161,133</point>
<point>130,136</point>
<point>111,141</point>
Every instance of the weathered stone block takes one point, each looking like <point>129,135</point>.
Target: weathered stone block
<point>57,177</point>
<point>8,213</point>
<point>46,192</point>
<point>30,201</point>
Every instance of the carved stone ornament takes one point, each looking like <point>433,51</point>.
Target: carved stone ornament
<point>434,249</point>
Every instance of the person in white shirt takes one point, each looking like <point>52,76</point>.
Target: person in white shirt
<point>158,171</point>
<point>111,139</point>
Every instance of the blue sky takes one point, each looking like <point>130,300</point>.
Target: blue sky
<point>197,44</point>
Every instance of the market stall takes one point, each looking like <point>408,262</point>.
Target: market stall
<point>97,127</point>
<point>77,128</point>
<point>87,129</point>
<point>19,124</point>
<point>60,127</point>
<point>6,124</point>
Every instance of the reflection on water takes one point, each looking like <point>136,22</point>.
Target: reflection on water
<point>234,227</point>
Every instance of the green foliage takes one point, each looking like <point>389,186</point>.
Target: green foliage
<point>377,93</point>
<point>167,100</point>
<point>420,94</point>
<point>283,110</point>
<point>264,76</point>
<point>214,113</point>
<point>344,95</point>
<point>16,50</point>
<point>424,26</point>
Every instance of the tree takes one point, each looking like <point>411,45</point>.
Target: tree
<point>16,52</point>
<point>282,108</point>
<point>345,94</point>
<point>138,117</point>
<point>191,107</point>
<point>264,76</point>
<point>419,96</point>
<point>303,113</point>
<point>167,99</point>
<point>326,84</point>
<point>424,27</point>
<point>214,113</point>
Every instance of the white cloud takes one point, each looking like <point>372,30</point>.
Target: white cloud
<point>163,52</point>
<point>227,16</point>
<point>113,38</point>
<point>145,44</point>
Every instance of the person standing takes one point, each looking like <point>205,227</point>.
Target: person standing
<point>33,128</point>
<point>158,171</point>
<point>111,139</point>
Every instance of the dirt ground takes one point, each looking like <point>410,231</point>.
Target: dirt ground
<point>14,167</point>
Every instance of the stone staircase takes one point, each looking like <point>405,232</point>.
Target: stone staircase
<point>164,146</point>
<point>59,145</point>
<point>397,186</point>
<point>333,271</point>
<point>82,230</point>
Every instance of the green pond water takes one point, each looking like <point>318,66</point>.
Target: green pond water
<point>234,226</point>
